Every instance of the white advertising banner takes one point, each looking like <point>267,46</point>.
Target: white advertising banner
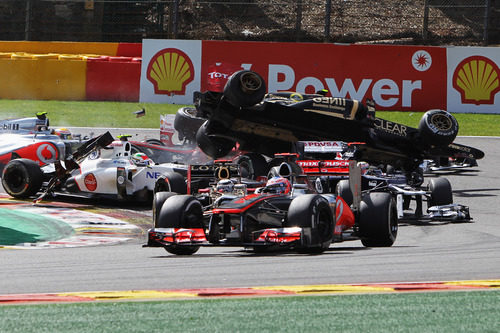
<point>170,70</point>
<point>473,79</point>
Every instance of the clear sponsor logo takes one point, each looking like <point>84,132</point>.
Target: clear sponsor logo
<point>390,127</point>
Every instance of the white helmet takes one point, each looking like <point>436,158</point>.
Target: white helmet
<point>225,186</point>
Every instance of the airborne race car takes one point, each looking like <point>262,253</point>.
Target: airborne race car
<point>287,213</point>
<point>101,167</point>
<point>271,123</point>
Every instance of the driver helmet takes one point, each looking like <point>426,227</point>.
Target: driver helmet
<point>141,159</point>
<point>278,185</point>
<point>225,186</point>
<point>63,133</point>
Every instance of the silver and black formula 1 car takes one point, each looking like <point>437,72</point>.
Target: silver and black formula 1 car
<point>32,138</point>
<point>270,123</point>
<point>286,213</point>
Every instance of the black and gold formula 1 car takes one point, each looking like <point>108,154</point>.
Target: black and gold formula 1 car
<point>244,115</point>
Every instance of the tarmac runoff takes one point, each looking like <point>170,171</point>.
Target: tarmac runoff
<point>178,294</point>
<point>27,226</point>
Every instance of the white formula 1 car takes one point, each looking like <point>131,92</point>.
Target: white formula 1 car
<point>101,167</point>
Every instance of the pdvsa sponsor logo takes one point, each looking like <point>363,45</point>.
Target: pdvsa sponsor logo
<point>477,80</point>
<point>322,143</point>
<point>90,182</point>
<point>170,70</point>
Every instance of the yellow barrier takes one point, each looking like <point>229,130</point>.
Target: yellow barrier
<point>59,47</point>
<point>40,76</point>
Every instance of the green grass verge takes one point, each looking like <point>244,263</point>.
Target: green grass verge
<point>88,114</point>
<point>116,114</point>
<point>475,311</point>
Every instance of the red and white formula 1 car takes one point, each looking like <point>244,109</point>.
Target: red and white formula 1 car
<point>101,167</point>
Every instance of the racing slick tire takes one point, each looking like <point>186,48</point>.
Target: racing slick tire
<point>252,165</point>
<point>158,201</point>
<point>438,128</point>
<point>441,193</point>
<point>171,182</point>
<point>312,212</point>
<point>244,88</point>
<point>181,211</point>
<point>186,123</point>
<point>215,147</point>
<point>378,220</point>
<point>22,178</point>
<point>343,190</point>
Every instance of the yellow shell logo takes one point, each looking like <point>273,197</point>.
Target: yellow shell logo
<point>477,80</point>
<point>170,70</point>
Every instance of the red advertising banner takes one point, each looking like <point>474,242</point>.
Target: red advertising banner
<point>403,78</point>
<point>113,79</point>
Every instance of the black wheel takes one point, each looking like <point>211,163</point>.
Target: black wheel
<point>312,211</point>
<point>155,142</point>
<point>158,201</point>
<point>244,88</point>
<point>438,128</point>
<point>344,191</point>
<point>441,193</point>
<point>171,182</point>
<point>252,165</point>
<point>378,220</point>
<point>181,211</point>
<point>187,123</point>
<point>213,146</point>
<point>22,178</point>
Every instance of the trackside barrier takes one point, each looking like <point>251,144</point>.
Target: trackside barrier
<point>113,79</point>
<point>28,76</point>
<point>69,76</point>
<point>109,49</point>
<point>70,70</point>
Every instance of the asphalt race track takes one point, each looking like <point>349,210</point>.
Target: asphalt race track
<point>423,252</point>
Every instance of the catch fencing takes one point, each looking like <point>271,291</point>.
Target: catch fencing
<point>428,22</point>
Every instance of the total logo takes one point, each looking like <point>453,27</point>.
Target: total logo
<point>477,80</point>
<point>170,70</point>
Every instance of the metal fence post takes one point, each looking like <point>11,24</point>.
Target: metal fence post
<point>486,22</point>
<point>425,22</point>
<point>298,21</point>
<point>175,18</point>
<point>27,23</point>
<point>328,13</point>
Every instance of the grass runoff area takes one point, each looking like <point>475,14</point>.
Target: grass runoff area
<point>120,115</point>
<point>475,311</point>
<point>460,311</point>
